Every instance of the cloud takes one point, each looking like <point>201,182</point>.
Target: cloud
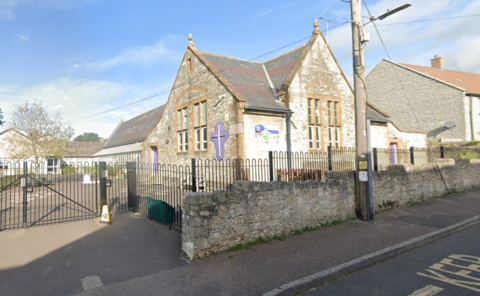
<point>416,42</point>
<point>7,10</point>
<point>77,98</point>
<point>143,55</point>
<point>8,7</point>
<point>274,9</point>
<point>24,36</point>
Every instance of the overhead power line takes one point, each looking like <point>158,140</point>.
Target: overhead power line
<point>168,91</point>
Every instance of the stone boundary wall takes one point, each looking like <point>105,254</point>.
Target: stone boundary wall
<point>403,184</point>
<point>214,222</point>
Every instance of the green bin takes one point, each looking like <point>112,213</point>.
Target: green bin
<point>160,211</point>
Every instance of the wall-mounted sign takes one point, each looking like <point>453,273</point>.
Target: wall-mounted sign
<point>219,137</point>
<point>267,138</point>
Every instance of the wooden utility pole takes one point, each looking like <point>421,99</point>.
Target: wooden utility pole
<point>361,178</point>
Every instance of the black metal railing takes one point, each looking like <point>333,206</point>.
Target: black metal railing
<point>35,194</point>
<point>160,189</point>
<point>117,189</point>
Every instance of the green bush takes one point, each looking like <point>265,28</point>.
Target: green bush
<point>68,170</point>
<point>114,171</point>
<point>88,170</point>
<point>467,155</point>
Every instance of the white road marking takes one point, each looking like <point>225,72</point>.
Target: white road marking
<point>90,282</point>
<point>427,291</point>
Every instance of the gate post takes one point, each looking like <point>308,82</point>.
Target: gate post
<point>194,176</point>
<point>103,183</point>
<point>375,159</point>
<point>270,164</point>
<point>412,155</point>
<point>132,186</point>
<point>329,154</point>
<point>25,192</point>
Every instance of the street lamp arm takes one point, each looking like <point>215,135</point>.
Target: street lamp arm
<point>388,13</point>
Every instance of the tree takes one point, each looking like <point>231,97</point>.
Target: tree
<point>46,135</point>
<point>88,137</point>
<point>1,118</point>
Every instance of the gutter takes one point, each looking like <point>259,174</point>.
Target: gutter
<point>268,110</point>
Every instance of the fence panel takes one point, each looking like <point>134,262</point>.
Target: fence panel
<point>160,189</point>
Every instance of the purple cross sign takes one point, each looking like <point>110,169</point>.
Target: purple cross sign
<point>219,137</point>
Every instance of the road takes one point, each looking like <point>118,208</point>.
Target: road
<point>450,266</point>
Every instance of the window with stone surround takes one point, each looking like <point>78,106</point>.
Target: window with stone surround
<point>334,123</point>
<point>314,124</point>
<point>182,129</point>
<point>201,138</point>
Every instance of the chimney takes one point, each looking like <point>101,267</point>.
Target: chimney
<point>438,62</point>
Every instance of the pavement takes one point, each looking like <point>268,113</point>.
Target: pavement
<point>278,268</point>
<point>448,266</point>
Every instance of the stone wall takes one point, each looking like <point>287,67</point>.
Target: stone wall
<point>417,102</point>
<point>320,77</point>
<point>191,88</point>
<point>403,184</point>
<point>214,222</point>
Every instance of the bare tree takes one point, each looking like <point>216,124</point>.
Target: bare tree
<point>45,135</point>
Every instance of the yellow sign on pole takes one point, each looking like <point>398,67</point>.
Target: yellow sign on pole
<point>362,165</point>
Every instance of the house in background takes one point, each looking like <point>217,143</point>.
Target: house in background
<point>225,107</point>
<point>15,165</point>
<point>442,103</point>
<point>81,153</point>
<point>127,142</point>
<point>384,133</point>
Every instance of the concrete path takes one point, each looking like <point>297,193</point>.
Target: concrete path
<point>69,258</point>
<point>265,268</point>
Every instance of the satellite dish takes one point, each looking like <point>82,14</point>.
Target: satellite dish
<point>450,124</point>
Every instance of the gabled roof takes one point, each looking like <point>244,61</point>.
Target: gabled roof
<point>470,82</point>
<point>136,129</point>
<point>84,149</point>
<point>12,130</point>
<point>249,81</point>
<point>280,67</point>
<point>248,78</point>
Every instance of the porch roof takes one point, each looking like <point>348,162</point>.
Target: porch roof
<point>130,148</point>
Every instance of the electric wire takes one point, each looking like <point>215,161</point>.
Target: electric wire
<point>394,68</point>
<point>173,88</point>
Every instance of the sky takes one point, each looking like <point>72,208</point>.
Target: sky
<point>91,60</point>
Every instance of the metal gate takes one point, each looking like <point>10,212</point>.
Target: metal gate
<point>35,194</point>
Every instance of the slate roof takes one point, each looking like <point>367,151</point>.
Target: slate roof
<point>84,149</point>
<point>250,80</point>
<point>136,129</point>
<point>468,81</point>
<point>375,115</point>
<point>278,68</point>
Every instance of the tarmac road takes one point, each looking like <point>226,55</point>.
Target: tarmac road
<point>450,266</point>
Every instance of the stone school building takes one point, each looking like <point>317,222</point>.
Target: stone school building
<point>223,107</point>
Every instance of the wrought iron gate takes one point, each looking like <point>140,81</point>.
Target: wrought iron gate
<point>32,195</point>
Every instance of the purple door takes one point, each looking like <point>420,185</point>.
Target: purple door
<point>155,160</point>
<point>393,153</point>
